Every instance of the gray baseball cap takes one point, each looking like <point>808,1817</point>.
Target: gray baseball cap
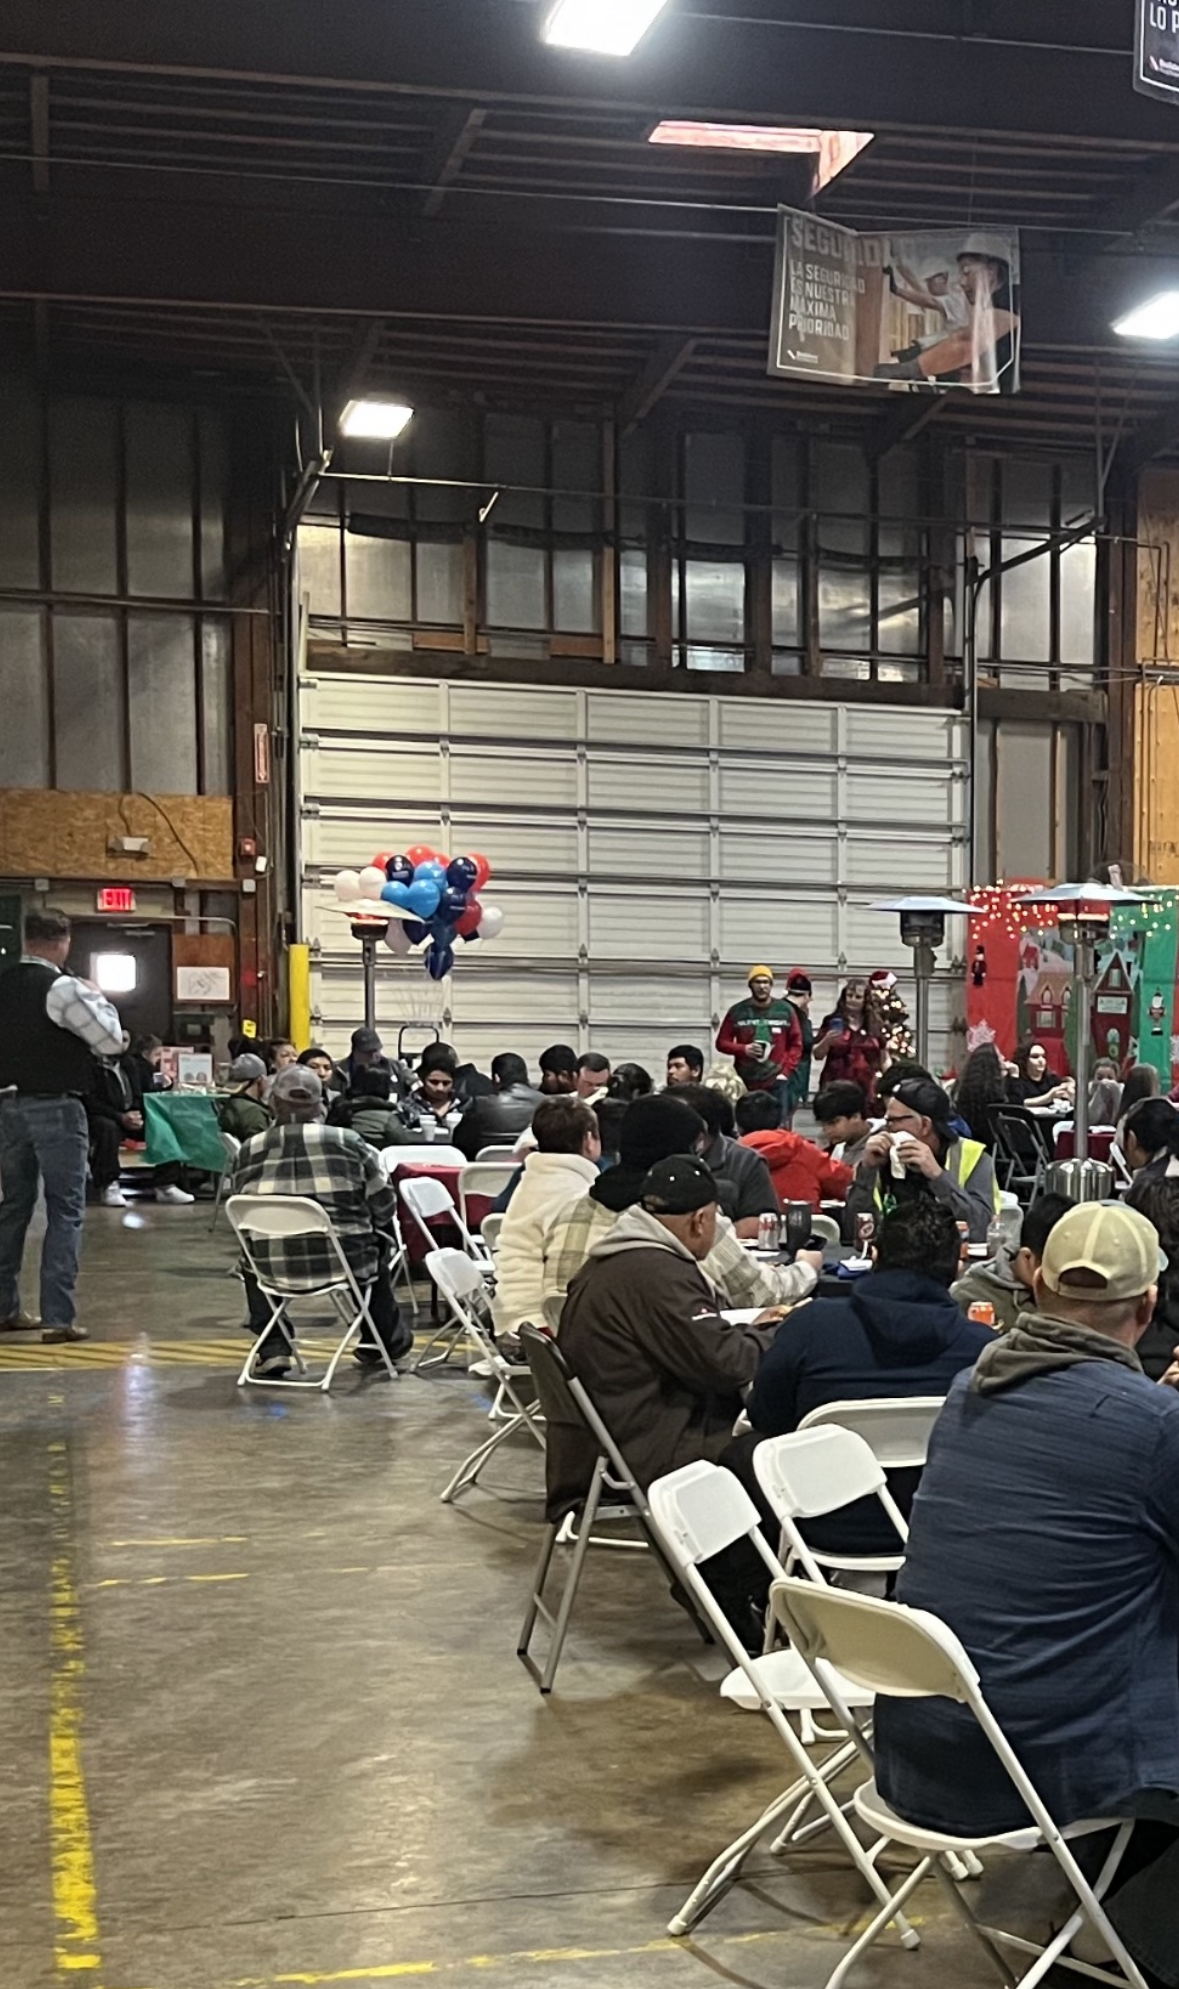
<point>246,1069</point>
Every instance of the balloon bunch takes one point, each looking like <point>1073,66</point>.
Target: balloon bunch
<point>426,897</point>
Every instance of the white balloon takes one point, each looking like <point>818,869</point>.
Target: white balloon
<point>372,881</point>
<point>348,886</point>
<point>397,939</point>
<point>492,922</point>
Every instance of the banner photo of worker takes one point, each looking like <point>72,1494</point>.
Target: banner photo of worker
<point>931,312</point>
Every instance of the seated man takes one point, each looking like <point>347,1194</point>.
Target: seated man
<point>1046,1534</point>
<point>898,1332</point>
<point>799,1170</point>
<point>111,1118</point>
<point>641,1328</point>
<point>560,1170</point>
<point>334,1167</point>
<point>367,1108</point>
<point>685,1065</point>
<point>499,1118</point>
<point>653,1129</point>
<point>243,1113</point>
<point>841,1114</point>
<point>1006,1281</point>
<point>593,1077</point>
<point>744,1188</point>
<point>558,1070</point>
<point>918,1153</point>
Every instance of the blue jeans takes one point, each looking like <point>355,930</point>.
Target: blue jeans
<point>42,1139</point>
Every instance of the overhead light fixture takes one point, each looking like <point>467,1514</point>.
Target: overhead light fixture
<point>375,420</point>
<point>835,149</point>
<point>603,27</point>
<point>1157,318</point>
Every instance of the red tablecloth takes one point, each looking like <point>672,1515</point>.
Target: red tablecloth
<point>1100,1142</point>
<point>477,1207</point>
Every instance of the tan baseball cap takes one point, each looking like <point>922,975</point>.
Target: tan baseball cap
<point>1114,1250</point>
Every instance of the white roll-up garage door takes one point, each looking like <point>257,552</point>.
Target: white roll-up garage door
<point>647,847</point>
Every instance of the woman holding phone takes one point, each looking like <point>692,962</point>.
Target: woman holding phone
<point>851,1041</point>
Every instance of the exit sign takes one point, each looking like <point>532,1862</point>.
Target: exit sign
<point>115,898</point>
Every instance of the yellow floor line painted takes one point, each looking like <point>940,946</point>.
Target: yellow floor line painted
<point>75,1900</point>
<point>90,1356</point>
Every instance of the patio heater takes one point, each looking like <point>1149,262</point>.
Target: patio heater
<point>923,927</point>
<point>369,931</point>
<point>1084,915</point>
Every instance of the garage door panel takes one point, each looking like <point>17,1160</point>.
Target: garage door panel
<point>677,787</point>
<point>369,706</point>
<point>915,866</point>
<point>369,773</point>
<point>540,923</point>
<point>759,856</point>
<point>756,727</point>
<point>875,733</point>
<point>629,718</point>
<point>482,712</point>
<point>761,927</point>
<point>663,925</point>
<point>652,856</point>
<point>795,792</point>
<point>903,801</point>
<point>666,1003</point>
<point>538,844</point>
<point>544,779</point>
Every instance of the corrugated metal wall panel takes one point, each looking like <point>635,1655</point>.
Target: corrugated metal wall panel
<point>647,848</point>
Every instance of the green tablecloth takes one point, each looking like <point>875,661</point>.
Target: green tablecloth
<point>180,1126</point>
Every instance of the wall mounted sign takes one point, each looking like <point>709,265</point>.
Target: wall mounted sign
<point>1156,49</point>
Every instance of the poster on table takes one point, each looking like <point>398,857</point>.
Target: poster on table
<point>1156,49</point>
<point>934,312</point>
<point>1019,984</point>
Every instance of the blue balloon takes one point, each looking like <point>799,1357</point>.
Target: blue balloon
<point>397,894</point>
<point>421,898</point>
<point>399,870</point>
<point>439,961</point>
<point>431,872</point>
<point>462,874</point>
<point>415,932</point>
<point>454,903</point>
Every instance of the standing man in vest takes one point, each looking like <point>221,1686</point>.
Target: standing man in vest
<point>764,1038</point>
<point>51,1028</point>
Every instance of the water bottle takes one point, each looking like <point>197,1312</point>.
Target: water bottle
<point>1003,1232</point>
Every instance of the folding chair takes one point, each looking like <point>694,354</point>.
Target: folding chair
<point>399,1263</point>
<point>231,1147</point>
<point>484,1179</point>
<point>1021,1149</point>
<point>826,1227</point>
<point>505,1154</point>
<point>896,1428</point>
<point>815,1472</point>
<point>700,1511</point>
<point>462,1286</point>
<point>912,1654</point>
<point>426,1197</point>
<point>421,1156</point>
<point>282,1218</point>
<point>489,1230</point>
<point>614,1494</point>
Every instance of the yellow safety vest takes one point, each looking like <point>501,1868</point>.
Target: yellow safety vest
<point>960,1164</point>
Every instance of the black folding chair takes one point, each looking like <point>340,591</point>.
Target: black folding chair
<point>1022,1150</point>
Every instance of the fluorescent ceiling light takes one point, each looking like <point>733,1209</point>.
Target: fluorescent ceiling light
<point>835,149</point>
<point>1157,318</point>
<point>375,420</point>
<point>604,27</point>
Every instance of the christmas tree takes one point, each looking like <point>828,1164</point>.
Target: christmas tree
<point>894,1016</point>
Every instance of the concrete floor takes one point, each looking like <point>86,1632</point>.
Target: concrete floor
<point>262,1722</point>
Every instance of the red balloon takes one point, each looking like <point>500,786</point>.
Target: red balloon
<point>482,869</point>
<point>383,858</point>
<point>421,853</point>
<point>468,925</point>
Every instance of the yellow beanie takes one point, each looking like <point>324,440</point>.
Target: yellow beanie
<point>761,973</point>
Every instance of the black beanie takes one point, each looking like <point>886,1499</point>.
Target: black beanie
<point>655,1127</point>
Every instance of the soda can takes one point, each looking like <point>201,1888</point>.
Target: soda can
<point>983,1313</point>
<point>865,1233</point>
<point>767,1232</point>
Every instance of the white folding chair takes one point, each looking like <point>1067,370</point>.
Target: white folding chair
<point>485,1178</point>
<point>895,1428</point>
<point>230,1147</point>
<point>815,1472</point>
<point>421,1156</point>
<point>399,1263</point>
<point>462,1286</point>
<point>506,1154</point>
<point>826,1227</point>
<point>912,1654</point>
<point>700,1511</point>
<point>614,1494</point>
<point>282,1218</point>
<point>426,1197</point>
<point>489,1230</point>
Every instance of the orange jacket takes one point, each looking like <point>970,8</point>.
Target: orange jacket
<point>799,1170</point>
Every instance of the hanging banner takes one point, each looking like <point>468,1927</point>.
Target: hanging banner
<point>1156,49</point>
<point>930,312</point>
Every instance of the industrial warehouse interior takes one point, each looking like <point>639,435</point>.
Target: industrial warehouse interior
<point>589,994</point>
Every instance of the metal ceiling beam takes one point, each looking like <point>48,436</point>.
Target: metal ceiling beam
<point>1149,198</point>
<point>900,423</point>
<point>1153,439</point>
<point>670,357</point>
<point>355,264</point>
<point>449,153</point>
<point>877,63</point>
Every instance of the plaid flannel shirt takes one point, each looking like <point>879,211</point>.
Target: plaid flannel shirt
<point>333,1167</point>
<point>738,1276</point>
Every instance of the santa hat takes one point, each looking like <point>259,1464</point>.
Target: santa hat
<point>882,978</point>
